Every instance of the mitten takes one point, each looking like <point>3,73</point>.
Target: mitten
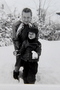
<point>30,25</point>
<point>19,29</point>
<point>34,55</point>
<point>15,75</point>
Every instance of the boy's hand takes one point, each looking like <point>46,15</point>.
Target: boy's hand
<point>19,28</point>
<point>16,53</point>
<point>34,55</point>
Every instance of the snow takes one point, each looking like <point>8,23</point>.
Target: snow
<point>48,69</point>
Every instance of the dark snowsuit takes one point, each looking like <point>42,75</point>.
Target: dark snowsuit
<point>30,65</point>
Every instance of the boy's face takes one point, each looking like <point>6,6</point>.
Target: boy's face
<point>26,17</point>
<point>31,35</point>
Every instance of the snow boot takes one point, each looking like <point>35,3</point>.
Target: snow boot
<point>25,81</point>
<point>16,75</point>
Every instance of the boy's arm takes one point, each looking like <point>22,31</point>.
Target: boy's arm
<point>14,29</point>
<point>22,49</point>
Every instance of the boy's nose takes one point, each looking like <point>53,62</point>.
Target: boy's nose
<point>26,20</point>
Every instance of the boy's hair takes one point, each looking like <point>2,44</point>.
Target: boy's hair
<point>27,10</point>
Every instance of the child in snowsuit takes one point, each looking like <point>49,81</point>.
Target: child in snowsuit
<point>29,56</point>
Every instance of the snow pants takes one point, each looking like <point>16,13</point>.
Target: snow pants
<point>29,70</point>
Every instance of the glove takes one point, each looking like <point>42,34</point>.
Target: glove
<point>20,28</point>
<point>15,75</point>
<point>16,53</point>
<point>34,55</point>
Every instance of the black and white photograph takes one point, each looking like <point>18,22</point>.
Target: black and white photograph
<point>30,42</point>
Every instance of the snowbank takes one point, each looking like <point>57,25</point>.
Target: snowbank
<point>49,64</point>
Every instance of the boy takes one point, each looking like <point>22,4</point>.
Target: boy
<point>29,55</point>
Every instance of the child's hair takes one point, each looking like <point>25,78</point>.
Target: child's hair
<point>34,30</point>
<point>27,10</point>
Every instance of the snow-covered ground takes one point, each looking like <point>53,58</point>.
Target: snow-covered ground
<point>49,64</point>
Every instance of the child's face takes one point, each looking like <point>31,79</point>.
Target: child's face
<point>31,35</point>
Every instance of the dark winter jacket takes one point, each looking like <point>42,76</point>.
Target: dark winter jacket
<point>23,34</point>
<point>27,48</point>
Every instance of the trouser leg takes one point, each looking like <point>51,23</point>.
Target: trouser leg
<point>25,72</point>
<point>32,72</point>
